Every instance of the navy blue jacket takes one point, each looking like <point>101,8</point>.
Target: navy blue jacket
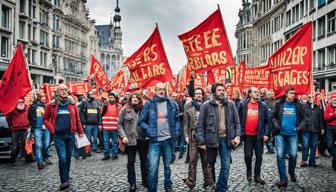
<point>263,118</point>
<point>148,119</point>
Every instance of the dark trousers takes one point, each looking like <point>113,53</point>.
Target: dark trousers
<point>252,143</point>
<point>142,148</point>
<point>193,155</point>
<point>17,138</point>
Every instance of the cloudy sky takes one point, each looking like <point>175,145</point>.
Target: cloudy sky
<point>174,17</point>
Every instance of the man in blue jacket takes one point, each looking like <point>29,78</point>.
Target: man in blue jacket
<point>160,121</point>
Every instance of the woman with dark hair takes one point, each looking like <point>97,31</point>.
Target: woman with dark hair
<point>134,138</point>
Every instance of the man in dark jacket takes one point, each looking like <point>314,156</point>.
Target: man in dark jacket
<point>91,115</point>
<point>313,126</point>
<point>218,129</point>
<point>287,119</point>
<point>330,119</point>
<point>270,102</point>
<point>254,118</point>
<point>160,121</point>
<point>41,134</point>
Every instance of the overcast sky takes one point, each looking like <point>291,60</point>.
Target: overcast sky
<point>174,17</point>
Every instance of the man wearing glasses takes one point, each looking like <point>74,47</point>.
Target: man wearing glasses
<point>287,119</point>
<point>254,118</point>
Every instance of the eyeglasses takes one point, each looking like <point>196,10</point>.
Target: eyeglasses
<point>292,93</point>
<point>198,93</point>
<point>256,91</point>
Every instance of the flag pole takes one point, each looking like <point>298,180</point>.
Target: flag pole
<point>27,67</point>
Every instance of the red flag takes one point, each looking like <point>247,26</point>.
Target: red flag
<point>15,83</point>
<point>118,81</point>
<point>240,73</point>
<point>149,64</point>
<point>207,45</point>
<point>48,90</point>
<point>79,87</point>
<point>256,77</point>
<point>211,77</point>
<point>291,65</point>
<point>199,80</point>
<point>98,72</point>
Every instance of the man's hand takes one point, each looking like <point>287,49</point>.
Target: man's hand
<point>187,139</point>
<point>322,132</point>
<point>265,138</point>
<point>203,147</point>
<point>125,140</point>
<point>236,140</point>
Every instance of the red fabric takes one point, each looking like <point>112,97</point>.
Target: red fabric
<point>98,72</point>
<point>291,65</point>
<point>50,115</point>
<point>18,120</point>
<point>330,115</point>
<point>110,118</point>
<point>207,45</point>
<point>149,64</point>
<point>256,77</point>
<point>15,83</point>
<point>79,87</point>
<point>251,124</point>
<point>117,82</point>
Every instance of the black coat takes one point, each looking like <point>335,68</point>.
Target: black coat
<point>86,116</point>
<point>313,118</point>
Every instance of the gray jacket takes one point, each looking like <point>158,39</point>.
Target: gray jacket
<point>189,123</point>
<point>208,125</point>
<point>128,125</point>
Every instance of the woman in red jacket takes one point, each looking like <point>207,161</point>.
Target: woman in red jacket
<point>330,118</point>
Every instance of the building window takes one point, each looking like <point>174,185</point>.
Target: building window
<point>43,59</point>
<point>5,12</point>
<point>332,57</point>
<point>312,4</point>
<point>44,18</point>
<point>288,18</point>
<point>301,9</point>
<point>321,27</point>
<point>331,23</point>
<point>321,3</point>
<point>57,2</point>
<point>56,22</point>
<point>321,59</point>
<point>33,57</point>
<point>4,47</point>
<point>56,40</point>
<point>44,38</point>
<point>21,30</point>
<point>314,30</point>
<point>34,33</point>
<point>22,6</point>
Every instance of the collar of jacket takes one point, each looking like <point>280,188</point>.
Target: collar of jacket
<point>283,99</point>
<point>213,101</point>
<point>71,101</point>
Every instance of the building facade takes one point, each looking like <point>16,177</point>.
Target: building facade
<point>275,21</point>
<point>110,44</point>
<point>57,36</point>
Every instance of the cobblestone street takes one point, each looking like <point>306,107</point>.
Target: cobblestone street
<point>92,174</point>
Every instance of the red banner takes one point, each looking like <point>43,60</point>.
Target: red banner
<point>291,65</point>
<point>117,82</point>
<point>48,90</point>
<point>257,77</point>
<point>15,83</point>
<point>97,71</point>
<point>207,45</point>
<point>149,64</point>
<point>199,80</point>
<point>239,76</point>
<point>79,88</point>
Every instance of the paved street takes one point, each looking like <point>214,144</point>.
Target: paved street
<point>93,174</point>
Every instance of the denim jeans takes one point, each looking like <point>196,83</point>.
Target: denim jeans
<point>252,143</point>
<point>42,141</point>
<point>64,147</point>
<point>91,131</point>
<point>17,137</point>
<point>269,144</point>
<point>330,142</point>
<point>225,158</point>
<point>111,134</point>
<point>156,149</point>
<point>283,142</point>
<point>181,144</point>
<point>309,143</point>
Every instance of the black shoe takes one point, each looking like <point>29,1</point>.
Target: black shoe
<point>187,161</point>
<point>145,184</point>
<point>64,186</point>
<point>249,176</point>
<point>84,157</point>
<point>293,178</point>
<point>115,157</point>
<point>281,184</point>
<point>169,190</point>
<point>40,166</point>
<point>334,165</point>
<point>270,152</point>
<point>180,156</point>
<point>259,180</point>
<point>89,154</point>
<point>188,183</point>
<point>313,165</point>
<point>14,163</point>
<point>77,157</point>
<point>106,158</point>
<point>133,188</point>
<point>47,161</point>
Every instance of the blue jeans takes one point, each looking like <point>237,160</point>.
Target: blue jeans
<point>164,148</point>
<point>42,141</point>
<point>91,131</point>
<point>309,143</point>
<point>181,144</point>
<point>283,142</point>
<point>330,142</point>
<point>110,134</point>
<point>269,144</point>
<point>225,159</point>
<point>64,147</point>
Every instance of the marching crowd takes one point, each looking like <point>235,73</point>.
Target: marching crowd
<point>201,122</point>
